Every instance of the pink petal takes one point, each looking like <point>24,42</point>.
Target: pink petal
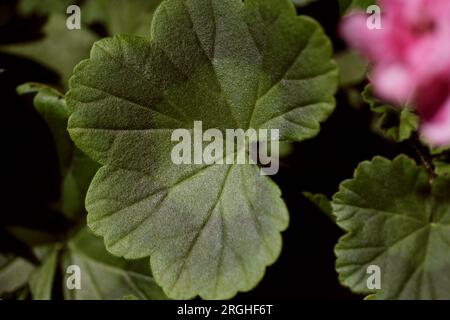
<point>355,32</point>
<point>393,83</point>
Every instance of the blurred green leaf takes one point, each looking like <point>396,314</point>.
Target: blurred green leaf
<point>32,237</point>
<point>352,68</point>
<point>14,273</point>
<point>43,7</point>
<point>60,50</point>
<point>121,16</point>
<point>105,276</point>
<point>42,278</point>
<point>51,105</point>
<point>76,168</point>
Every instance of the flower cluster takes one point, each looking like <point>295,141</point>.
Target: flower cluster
<point>411,59</point>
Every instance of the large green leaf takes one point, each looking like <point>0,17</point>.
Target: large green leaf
<point>104,276</point>
<point>210,230</point>
<point>396,220</point>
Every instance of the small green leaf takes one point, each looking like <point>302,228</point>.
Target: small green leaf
<point>60,50</point>
<point>14,273</point>
<point>209,230</point>
<point>104,276</point>
<point>121,16</point>
<point>41,280</point>
<point>396,220</point>
<point>32,237</point>
<point>392,122</point>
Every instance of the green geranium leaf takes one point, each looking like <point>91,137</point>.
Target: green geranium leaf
<point>41,280</point>
<point>76,168</point>
<point>210,230</point>
<point>60,50</point>
<point>399,222</point>
<point>104,276</point>
<point>121,16</point>
<point>348,5</point>
<point>394,123</point>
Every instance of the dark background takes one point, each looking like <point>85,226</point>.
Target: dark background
<point>305,269</point>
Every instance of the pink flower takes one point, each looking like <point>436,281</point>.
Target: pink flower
<point>411,58</point>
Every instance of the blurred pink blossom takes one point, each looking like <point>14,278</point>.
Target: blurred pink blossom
<point>411,58</point>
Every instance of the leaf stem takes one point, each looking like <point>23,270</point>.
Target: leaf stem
<point>424,158</point>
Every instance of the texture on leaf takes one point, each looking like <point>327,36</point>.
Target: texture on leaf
<point>396,220</point>
<point>210,230</point>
